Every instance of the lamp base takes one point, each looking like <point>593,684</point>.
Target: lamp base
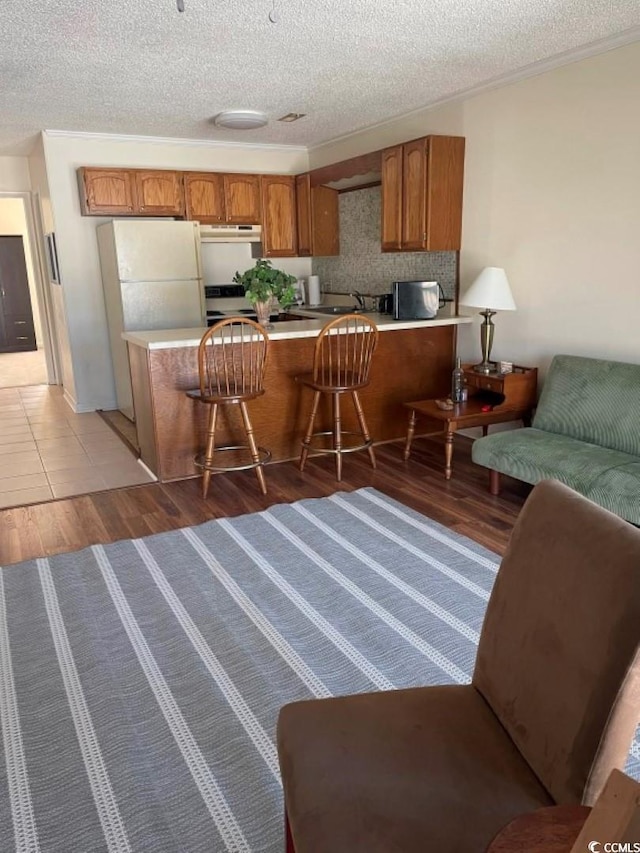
<point>486,340</point>
<point>485,368</point>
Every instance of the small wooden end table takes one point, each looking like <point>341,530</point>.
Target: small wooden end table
<point>553,829</point>
<point>493,398</point>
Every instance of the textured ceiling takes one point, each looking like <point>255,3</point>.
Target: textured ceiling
<point>140,67</point>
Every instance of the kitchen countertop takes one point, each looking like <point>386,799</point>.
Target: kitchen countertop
<point>286,330</point>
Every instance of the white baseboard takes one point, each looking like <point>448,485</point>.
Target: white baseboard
<point>81,408</point>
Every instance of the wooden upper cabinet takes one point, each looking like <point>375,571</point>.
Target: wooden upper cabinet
<point>318,219</point>
<point>303,209</point>
<point>392,198</point>
<point>130,192</point>
<point>279,238</point>
<point>204,197</point>
<point>106,192</point>
<point>422,201</point>
<point>242,199</point>
<point>325,231</point>
<point>159,193</point>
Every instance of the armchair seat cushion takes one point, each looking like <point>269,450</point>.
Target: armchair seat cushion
<point>406,770</point>
<point>533,454</point>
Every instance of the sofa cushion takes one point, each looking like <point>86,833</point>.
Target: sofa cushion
<point>618,490</point>
<point>532,455</point>
<point>593,400</point>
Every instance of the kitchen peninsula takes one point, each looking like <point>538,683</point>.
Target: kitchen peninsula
<point>413,361</point>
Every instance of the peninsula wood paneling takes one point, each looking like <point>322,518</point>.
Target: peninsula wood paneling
<point>279,417</point>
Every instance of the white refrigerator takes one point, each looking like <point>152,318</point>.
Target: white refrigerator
<point>152,279</point>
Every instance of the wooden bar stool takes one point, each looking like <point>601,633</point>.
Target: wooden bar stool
<point>341,363</point>
<point>231,362</point>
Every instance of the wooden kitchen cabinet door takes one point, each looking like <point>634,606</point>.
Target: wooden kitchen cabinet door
<point>159,193</point>
<point>242,199</point>
<point>325,222</point>
<point>303,210</point>
<point>422,195</point>
<point>317,219</point>
<point>414,195</point>
<point>445,178</point>
<point>392,199</point>
<point>106,192</point>
<point>204,197</point>
<point>279,239</point>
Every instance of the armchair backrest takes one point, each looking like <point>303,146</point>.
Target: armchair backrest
<point>558,660</point>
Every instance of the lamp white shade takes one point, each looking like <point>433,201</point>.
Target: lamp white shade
<point>490,290</point>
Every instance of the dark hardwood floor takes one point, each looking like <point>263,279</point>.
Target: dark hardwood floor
<point>463,504</point>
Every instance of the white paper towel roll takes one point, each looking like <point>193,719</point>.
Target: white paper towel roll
<point>313,290</point>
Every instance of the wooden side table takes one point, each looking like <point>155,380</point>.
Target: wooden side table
<point>548,830</point>
<point>493,398</point>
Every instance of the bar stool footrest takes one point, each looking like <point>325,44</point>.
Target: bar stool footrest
<point>313,448</point>
<point>199,461</point>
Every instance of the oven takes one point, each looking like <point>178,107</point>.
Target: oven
<point>228,300</point>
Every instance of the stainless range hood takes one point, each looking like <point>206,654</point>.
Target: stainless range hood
<point>230,233</point>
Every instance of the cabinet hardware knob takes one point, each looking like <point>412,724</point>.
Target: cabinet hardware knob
<point>22,338</point>
<point>20,323</point>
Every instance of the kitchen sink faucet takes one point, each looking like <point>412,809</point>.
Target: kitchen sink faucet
<point>359,299</point>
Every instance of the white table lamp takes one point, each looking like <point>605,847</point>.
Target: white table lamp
<point>490,291</point>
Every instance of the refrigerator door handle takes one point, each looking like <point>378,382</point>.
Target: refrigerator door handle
<point>153,280</point>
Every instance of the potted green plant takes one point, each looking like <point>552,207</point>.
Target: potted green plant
<point>264,286</point>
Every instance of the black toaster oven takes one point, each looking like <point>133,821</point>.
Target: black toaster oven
<point>417,300</point>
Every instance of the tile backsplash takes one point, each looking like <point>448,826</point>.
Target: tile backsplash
<point>361,265</point>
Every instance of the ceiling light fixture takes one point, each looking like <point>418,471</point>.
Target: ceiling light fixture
<point>274,17</point>
<point>180,4</point>
<point>292,117</point>
<point>241,119</point>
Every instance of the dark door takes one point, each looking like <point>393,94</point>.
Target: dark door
<point>16,318</point>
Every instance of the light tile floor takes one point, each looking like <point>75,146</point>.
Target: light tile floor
<point>22,368</point>
<point>47,451</point>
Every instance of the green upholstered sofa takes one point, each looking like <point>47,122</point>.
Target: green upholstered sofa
<point>585,433</point>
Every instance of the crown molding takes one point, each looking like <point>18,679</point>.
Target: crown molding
<point>170,140</point>
<point>568,57</point>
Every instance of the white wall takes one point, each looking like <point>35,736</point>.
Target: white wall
<point>13,222</point>
<point>61,360</point>
<point>77,248</point>
<point>14,175</point>
<point>552,194</point>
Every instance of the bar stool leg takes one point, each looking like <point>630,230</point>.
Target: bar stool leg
<point>209,449</point>
<point>410,432</point>
<point>255,455</point>
<point>306,441</point>
<point>363,427</point>
<point>337,435</point>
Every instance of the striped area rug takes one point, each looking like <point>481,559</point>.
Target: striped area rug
<point>141,681</point>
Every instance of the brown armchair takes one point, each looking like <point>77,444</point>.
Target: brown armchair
<point>552,708</point>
